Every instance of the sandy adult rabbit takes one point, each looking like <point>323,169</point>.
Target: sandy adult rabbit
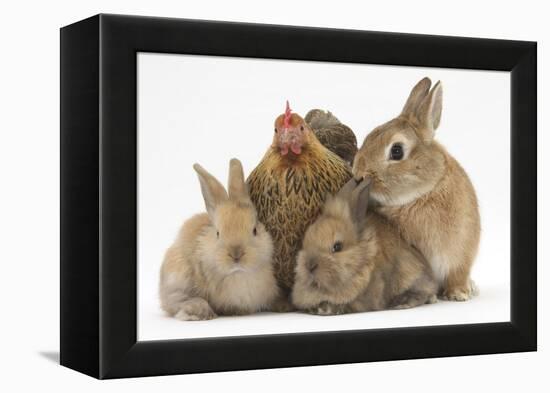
<point>352,261</point>
<point>221,261</point>
<point>422,190</point>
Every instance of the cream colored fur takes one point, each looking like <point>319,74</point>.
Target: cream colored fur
<point>221,261</point>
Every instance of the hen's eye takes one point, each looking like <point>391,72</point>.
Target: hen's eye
<point>396,152</point>
<point>337,247</point>
<point>254,231</point>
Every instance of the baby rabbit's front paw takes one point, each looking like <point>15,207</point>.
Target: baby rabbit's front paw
<point>195,309</point>
<point>326,308</point>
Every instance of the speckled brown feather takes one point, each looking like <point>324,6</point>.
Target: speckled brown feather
<point>332,134</point>
<point>288,194</point>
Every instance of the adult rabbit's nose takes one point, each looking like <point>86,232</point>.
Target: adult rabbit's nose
<point>358,173</point>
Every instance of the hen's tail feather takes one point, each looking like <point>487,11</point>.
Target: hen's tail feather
<point>333,134</point>
<point>318,118</point>
<point>340,140</point>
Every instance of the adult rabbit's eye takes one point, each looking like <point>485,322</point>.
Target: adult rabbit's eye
<point>396,152</point>
<point>337,247</point>
<point>254,231</point>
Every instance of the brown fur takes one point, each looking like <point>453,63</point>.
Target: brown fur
<point>288,192</point>
<point>375,269</point>
<point>427,195</point>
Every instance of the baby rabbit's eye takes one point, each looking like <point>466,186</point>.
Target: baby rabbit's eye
<point>396,152</point>
<point>275,129</point>
<point>337,247</point>
<point>254,231</point>
<point>218,234</point>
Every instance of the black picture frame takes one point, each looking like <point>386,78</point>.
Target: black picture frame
<point>99,205</point>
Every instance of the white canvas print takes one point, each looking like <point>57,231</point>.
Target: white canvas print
<point>209,110</point>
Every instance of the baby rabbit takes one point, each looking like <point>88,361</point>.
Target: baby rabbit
<point>422,190</point>
<point>220,263</point>
<point>352,261</point>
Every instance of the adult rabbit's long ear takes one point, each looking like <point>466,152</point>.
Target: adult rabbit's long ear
<point>418,93</point>
<point>359,202</point>
<point>212,190</point>
<point>236,184</point>
<point>429,112</point>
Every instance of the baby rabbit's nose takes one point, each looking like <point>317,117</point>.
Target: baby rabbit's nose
<point>236,252</point>
<point>312,265</point>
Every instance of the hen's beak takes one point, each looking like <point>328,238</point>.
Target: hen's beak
<point>290,139</point>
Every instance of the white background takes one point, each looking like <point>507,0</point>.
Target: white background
<point>208,109</point>
<point>29,162</point>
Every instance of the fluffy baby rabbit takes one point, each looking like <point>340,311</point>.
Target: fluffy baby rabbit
<point>422,190</point>
<point>352,261</point>
<point>220,263</point>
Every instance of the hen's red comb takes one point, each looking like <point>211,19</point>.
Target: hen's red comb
<point>288,112</point>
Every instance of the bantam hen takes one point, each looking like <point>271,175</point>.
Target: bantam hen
<point>290,185</point>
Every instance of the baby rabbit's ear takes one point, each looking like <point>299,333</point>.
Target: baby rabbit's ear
<point>337,205</point>
<point>359,202</point>
<point>236,184</point>
<point>429,112</point>
<point>347,189</point>
<point>418,93</point>
<point>212,190</point>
